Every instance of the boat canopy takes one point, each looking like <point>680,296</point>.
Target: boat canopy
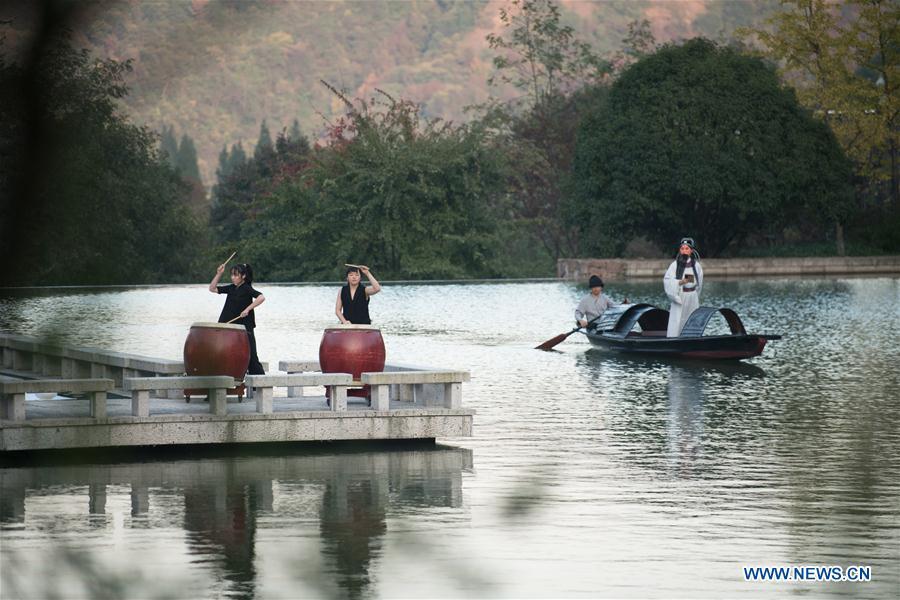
<point>620,320</point>
<point>699,319</point>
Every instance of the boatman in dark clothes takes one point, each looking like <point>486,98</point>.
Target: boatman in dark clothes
<point>240,301</point>
<point>594,304</point>
<point>352,304</point>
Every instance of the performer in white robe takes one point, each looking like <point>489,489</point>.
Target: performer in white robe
<point>683,282</point>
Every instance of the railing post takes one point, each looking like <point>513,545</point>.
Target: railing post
<point>140,403</point>
<point>67,368</point>
<point>381,397</point>
<point>21,361</point>
<point>218,401</point>
<point>140,499</point>
<point>97,498</point>
<point>338,397</point>
<point>14,407</point>
<point>295,391</point>
<point>98,404</point>
<point>263,396</point>
<point>407,392</point>
<point>452,395</point>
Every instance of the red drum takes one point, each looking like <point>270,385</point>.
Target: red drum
<point>217,349</point>
<point>354,349</point>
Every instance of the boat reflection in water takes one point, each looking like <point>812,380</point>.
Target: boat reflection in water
<point>317,516</point>
<point>677,409</point>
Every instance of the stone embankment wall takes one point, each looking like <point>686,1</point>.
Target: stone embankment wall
<point>643,268</point>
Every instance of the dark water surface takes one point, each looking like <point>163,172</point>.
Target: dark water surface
<point>588,474</point>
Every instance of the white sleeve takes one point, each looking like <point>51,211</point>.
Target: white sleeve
<point>579,314</point>
<point>671,286</point>
<point>699,270</point>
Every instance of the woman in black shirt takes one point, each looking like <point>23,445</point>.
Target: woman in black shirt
<point>240,302</point>
<point>352,304</point>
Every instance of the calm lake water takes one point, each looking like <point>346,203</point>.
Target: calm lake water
<point>588,474</point>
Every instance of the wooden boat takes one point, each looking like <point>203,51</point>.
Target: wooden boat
<point>641,329</point>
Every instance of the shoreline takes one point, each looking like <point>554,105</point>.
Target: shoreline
<point>611,269</point>
<point>619,269</point>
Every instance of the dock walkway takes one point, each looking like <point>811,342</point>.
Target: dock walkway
<point>123,400</point>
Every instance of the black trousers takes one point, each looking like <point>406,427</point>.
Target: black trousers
<point>254,368</point>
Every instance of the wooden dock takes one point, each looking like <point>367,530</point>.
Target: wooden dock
<point>54,397</point>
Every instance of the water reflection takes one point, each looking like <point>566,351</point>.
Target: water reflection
<point>672,415</point>
<point>352,524</point>
<point>225,504</point>
<point>684,470</point>
<point>685,418</point>
<point>222,517</point>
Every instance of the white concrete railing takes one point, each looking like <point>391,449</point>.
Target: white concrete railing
<point>215,385</point>
<point>263,386</point>
<point>451,381</point>
<point>30,356</point>
<point>12,391</point>
<point>401,382</point>
<point>12,394</point>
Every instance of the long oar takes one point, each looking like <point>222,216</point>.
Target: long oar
<point>549,344</point>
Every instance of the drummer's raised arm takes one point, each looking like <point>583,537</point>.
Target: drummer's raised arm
<point>375,287</point>
<point>214,284</point>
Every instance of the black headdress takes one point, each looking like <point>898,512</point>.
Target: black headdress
<point>684,260</point>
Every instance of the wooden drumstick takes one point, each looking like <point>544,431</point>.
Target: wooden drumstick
<point>228,260</point>
<point>234,319</point>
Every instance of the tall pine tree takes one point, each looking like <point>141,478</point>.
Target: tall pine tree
<point>295,133</point>
<point>168,145</point>
<point>224,167</point>
<point>186,161</point>
<point>238,157</point>
<point>265,149</point>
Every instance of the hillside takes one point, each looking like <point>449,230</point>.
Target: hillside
<point>214,70</point>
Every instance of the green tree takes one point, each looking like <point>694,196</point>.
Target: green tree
<point>186,161</point>
<point>700,140</point>
<point>224,167</point>
<point>233,200</point>
<point>243,183</point>
<point>93,202</point>
<point>238,157</point>
<point>190,172</point>
<point>539,55</point>
<point>264,149</point>
<point>558,75</point>
<point>844,61</point>
<point>290,147</point>
<point>168,145</point>
<point>239,183</point>
<point>413,198</point>
<point>295,133</point>
<point>638,43</point>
